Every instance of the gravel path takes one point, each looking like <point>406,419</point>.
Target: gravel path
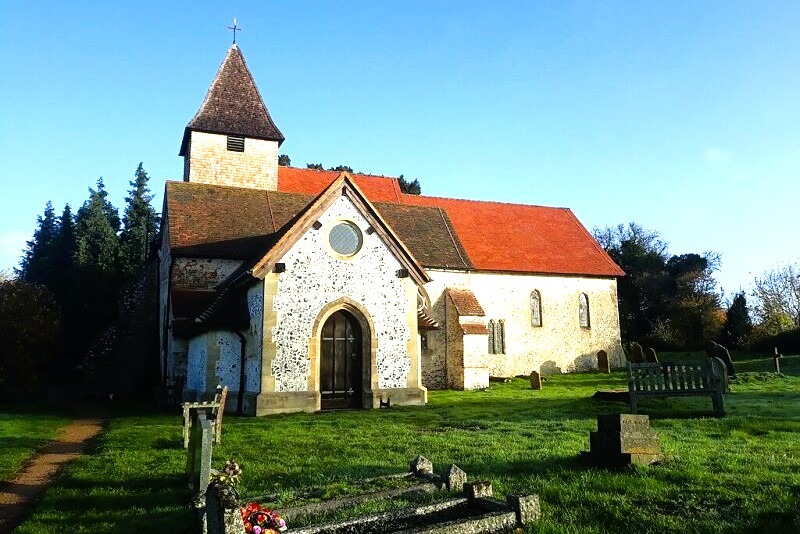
<point>18,494</point>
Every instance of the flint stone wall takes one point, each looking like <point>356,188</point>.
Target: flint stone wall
<point>559,342</point>
<point>314,277</point>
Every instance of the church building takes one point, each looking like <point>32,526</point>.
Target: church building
<point>303,290</point>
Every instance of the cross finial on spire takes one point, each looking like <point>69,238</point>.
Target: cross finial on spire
<point>235,28</point>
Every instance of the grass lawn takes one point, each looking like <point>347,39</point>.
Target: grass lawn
<point>22,431</point>
<point>739,473</point>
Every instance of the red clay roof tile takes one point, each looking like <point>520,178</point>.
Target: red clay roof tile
<point>466,302</point>
<point>496,236</point>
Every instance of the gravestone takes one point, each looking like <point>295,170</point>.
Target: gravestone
<point>776,361</point>
<point>602,362</point>
<point>650,355</point>
<point>715,350</point>
<point>723,354</point>
<point>536,381</point>
<point>201,439</point>
<point>636,353</point>
<point>623,439</point>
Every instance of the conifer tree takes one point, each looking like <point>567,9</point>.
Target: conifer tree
<point>409,187</point>
<point>140,226</point>
<point>96,260</point>
<point>96,227</point>
<point>738,326</point>
<point>37,265</point>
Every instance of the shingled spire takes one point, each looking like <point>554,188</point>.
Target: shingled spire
<point>232,139</point>
<point>233,105</point>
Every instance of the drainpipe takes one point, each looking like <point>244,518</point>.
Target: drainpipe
<point>242,358</point>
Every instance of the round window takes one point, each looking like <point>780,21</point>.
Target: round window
<point>345,238</point>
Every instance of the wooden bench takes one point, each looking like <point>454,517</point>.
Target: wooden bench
<point>671,379</point>
<point>217,406</point>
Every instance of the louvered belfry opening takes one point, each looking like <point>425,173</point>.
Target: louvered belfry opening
<point>236,143</point>
<point>341,362</point>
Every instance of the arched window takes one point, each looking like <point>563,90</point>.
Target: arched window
<point>491,336</point>
<point>583,310</point>
<point>536,308</point>
<point>500,337</point>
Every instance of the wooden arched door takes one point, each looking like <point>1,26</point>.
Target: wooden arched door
<point>341,355</point>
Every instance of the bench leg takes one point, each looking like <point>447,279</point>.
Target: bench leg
<point>719,409</point>
<point>632,395</point>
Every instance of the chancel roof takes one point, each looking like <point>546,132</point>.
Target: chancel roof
<point>233,105</point>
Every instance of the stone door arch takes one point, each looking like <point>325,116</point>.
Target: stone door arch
<point>343,329</point>
<point>341,361</point>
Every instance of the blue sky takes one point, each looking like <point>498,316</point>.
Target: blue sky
<point>681,116</point>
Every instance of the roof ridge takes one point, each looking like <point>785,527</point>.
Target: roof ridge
<point>406,195</point>
<point>497,202</point>
<point>337,172</point>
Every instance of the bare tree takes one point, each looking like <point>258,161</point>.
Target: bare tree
<point>777,294</point>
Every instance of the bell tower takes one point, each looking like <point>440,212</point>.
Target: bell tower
<point>232,139</point>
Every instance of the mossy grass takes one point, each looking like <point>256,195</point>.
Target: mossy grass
<point>738,473</point>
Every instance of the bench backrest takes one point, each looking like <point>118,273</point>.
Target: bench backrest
<point>673,376</point>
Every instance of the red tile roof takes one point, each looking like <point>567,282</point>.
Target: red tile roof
<point>497,236</point>
<point>466,302</point>
<point>313,182</point>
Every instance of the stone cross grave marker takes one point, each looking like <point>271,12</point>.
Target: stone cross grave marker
<point>602,362</point>
<point>201,443</point>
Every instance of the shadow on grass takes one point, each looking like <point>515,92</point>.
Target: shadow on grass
<point>163,444</point>
<point>20,442</point>
<point>125,521</point>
